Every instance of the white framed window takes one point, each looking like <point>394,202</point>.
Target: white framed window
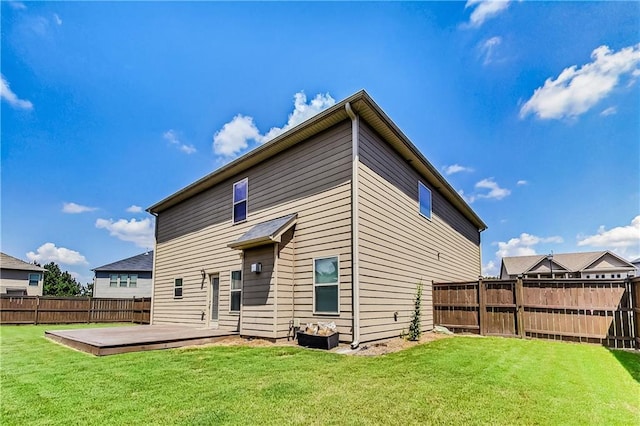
<point>113,280</point>
<point>133,280</point>
<point>326,285</point>
<point>235,296</point>
<point>240,199</point>
<point>424,200</point>
<point>124,280</point>
<point>34,279</point>
<point>177,288</point>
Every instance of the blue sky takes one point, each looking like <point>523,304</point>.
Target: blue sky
<point>530,109</point>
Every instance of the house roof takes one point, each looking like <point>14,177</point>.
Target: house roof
<point>139,263</point>
<point>368,111</point>
<point>572,262</point>
<point>264,233</point>
<point>10,262</point>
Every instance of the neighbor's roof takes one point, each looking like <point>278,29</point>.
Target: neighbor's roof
<point>368,111</point>
<point>572,262</point>
<point>266,232</point>
<point>141,262</point>
<point>10,262</point>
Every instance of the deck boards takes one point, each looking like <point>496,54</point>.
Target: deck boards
<point>115,340</point>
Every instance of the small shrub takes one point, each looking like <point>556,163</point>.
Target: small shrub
<point>414,327</point>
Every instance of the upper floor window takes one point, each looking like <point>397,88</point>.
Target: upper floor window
<point>113,280</point>
<point>133,280</point>
<point>424,200</point>
<point>34,279</point>
<point>240,197</point>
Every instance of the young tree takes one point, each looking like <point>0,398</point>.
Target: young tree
<point>58,283</point>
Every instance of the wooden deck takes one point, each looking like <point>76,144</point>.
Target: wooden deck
<point>117,340</point>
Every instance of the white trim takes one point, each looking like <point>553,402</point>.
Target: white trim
<point>236,290</point>
<point>234,202</point>
<point>430,201</point>
<point>211,322</point>
<point>313,278</point>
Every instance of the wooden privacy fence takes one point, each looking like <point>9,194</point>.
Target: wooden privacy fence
<point>597,311</point>
<point>68,310</point>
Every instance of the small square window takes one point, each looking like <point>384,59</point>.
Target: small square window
<point>34,279</point>
<point>177,288</point>
<point>424,200</point>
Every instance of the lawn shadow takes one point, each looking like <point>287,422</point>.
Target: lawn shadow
<point>629,360</point>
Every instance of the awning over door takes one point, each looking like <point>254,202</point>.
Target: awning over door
<point>265,233</point>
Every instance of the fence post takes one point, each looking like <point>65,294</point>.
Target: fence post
<point>89,309</point>
<point>635,306</point>
<point>519,295</point>
<point>35,315</point>
<point>482,306</point>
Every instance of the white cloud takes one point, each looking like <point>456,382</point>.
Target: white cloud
<point>609,111</point>
<point>57,19</point>
<point>172,137</point>
<point>74,208</point>
<point>301,112</point>
<point>139,232</point>
<point>523,245</point>
<point>455,168</point>
<point>17,5</point>
<point>625,240</point>
<point>48,252</point>
<point>490,269</point>
<point>494,192</point>
<point>235,135</point>
<point>522,182</point>
<point>576,90</point>
<point>487,49</point>
<point>134,209</point>
<point>485,9</point>
<point>7,94</point>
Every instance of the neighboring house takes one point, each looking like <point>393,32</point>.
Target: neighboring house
<point>131,277</point>
<point>588,265</point>
<point>636,263</point>
<point>337,219</point>
<point>19,278</point>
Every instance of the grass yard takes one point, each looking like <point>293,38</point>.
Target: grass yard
<point>463,380</point>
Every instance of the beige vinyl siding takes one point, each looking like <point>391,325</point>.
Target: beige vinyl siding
<point>286,278</point>
<point>258,293</point>
<point>399,247</point>
<point>312,179</point>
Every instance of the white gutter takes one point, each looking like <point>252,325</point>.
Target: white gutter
<point>355,236</point>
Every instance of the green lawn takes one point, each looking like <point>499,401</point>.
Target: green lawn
<point>463,380</point>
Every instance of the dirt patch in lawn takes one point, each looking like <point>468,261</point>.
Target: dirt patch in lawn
<point>379,347</point>
<point>382,347</point>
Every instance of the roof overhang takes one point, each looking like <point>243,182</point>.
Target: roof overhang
<point>371,113</point>
<point>272,236</point>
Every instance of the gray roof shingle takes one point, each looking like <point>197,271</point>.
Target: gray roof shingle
<point>10,262</point>
<point>141,262</point>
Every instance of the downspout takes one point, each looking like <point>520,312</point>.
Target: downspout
<point>355,235</point>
